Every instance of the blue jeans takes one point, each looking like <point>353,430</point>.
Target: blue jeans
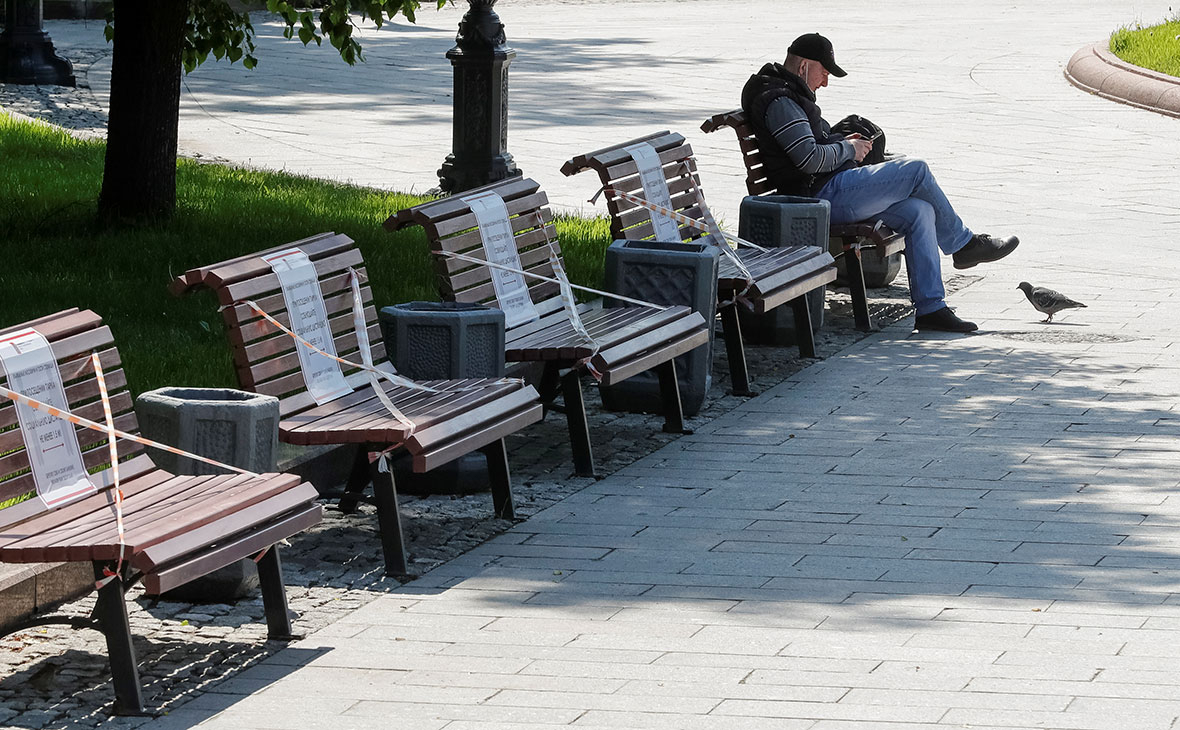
<point>905,195</point>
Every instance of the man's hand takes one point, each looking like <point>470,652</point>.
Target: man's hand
<point>860,144</point>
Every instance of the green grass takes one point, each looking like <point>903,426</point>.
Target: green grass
<point>55,257</point>
<point>1155,47</point>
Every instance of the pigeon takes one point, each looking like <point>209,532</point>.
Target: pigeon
<point>1046,300</point>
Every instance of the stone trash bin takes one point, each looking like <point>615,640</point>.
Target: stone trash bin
<point>437,341</point>
<point>664,273</point>
<point>775,221</point>
<point>231,426</point>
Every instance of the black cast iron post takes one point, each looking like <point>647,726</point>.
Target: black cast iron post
<point>26,53</point>
<point>479,146</point>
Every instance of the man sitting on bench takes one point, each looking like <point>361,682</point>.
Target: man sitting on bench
<point>802,157</point>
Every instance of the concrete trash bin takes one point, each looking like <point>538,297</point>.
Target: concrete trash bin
<point>231,426</point>
<point>774,221</point>
<point>437,341</point>
<point>664,273</point>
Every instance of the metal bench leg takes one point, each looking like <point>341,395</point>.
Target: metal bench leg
<point>735,351</point>
<point>358,479</point>
<point>856,287</point>
<point>575,416</point>
<point>274,596</point>
<point>670,398</point>
<point>389,521</point>
<point>804,337</point>
<point>111,613</point>
<point>550,385</point>
<point>497,456</point>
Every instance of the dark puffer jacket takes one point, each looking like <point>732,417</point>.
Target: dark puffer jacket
<point>773,81</point>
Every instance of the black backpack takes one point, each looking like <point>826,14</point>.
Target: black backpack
<point>854,123</point>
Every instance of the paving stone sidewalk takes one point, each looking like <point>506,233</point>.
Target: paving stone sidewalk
<point>921,532</point>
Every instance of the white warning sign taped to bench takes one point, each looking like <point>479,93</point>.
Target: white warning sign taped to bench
<point>655,189</point>
<point>55,458</point>
<point>499,246</point>
<point>309,319</point>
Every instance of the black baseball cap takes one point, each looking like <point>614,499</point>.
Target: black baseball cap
<point>817,48</point>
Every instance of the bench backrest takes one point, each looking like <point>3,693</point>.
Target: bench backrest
<point>265,358</point>
<point>756,182</point>
<point>450,226</point>
<point>618,170</point>
<point>73,335</point>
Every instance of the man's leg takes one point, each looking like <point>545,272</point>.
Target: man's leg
<point>866,192</point>
<point>915,220</point>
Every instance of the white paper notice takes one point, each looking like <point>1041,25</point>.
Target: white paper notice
<point>499,246</point>
<point>309,319</point>
<point>51,444</point>
<point>655,189</point>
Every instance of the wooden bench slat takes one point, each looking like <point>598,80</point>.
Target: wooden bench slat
<point>427,452</point>
<point>266,283</point>
<point>522,214</point>
<point>319,246</point>
<point>200,275</point>
<point>52,520</point>
<point>443,208</point>
<point>191,515</point>
<point>652,337</point>
<point>223,528</point>
<point>222,555</point>
<point>614,153</point>
<point>693,337</point>
<point>247,333</point>
<point>99,524</point>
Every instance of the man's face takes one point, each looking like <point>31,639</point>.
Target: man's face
<point>814,74</point>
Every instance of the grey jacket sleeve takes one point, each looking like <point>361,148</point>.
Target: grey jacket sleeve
<point>791,130</point>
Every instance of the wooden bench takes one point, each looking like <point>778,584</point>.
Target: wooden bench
<point>780,275</point>
<point>848,240</point>
<point>177,528</point>
<point>451,418</point>
<point>627,340</point>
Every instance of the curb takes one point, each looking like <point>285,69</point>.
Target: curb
<point>1096,70</point>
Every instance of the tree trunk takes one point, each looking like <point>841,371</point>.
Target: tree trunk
<point>139,177</point>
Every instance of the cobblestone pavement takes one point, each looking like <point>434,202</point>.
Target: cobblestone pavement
<point>919,531</point>
<point>336,567</point>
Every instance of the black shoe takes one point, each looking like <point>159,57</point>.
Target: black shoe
<point>983,248</point>
<point>943,320</point>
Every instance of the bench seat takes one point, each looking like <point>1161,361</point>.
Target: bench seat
<point>176,528</point>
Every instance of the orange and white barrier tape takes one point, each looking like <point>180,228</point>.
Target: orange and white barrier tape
<point>64,415</point>
<point>567,300</point>
<point>108,574</point>
<point>551,280</point>
<point>362,339</point>
<point>369,369</point>
<point>372,371</point>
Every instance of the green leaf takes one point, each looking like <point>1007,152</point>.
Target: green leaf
<point>250,62</point>
<point>109,32</point>
<point>234,53</point>
<point>306,35</point>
